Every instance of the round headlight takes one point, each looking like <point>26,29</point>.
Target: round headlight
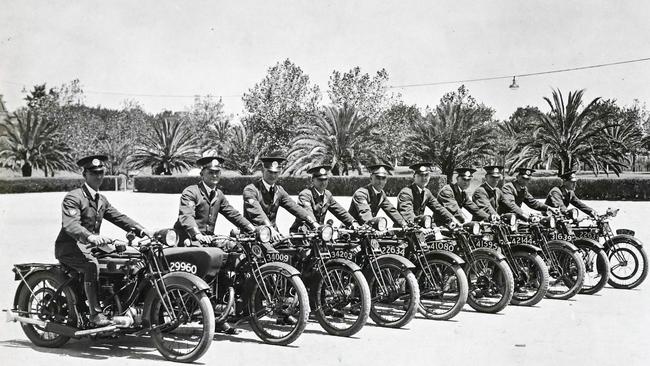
<point>472,227</point>
<point>264,234</point>
<point>426,222</point>
<point>326,233</point>
<point>167,237</point>
<point>381,223</point>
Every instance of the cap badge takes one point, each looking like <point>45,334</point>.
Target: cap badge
<point>95,162</point>
<point>423,168</point>
<point>496,170</point>
<point>322,171</point>
<point>528,172</point>
<point>275,164</point>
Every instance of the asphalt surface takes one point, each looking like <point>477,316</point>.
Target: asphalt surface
<point>609,328</point>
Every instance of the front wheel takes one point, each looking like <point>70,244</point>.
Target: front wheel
<point>342,301</point>
<point>531,278</point>
<point>628,265</point>
<point>491,283</point>
<point>394,294</point>
<point>567,273</point>
<point>182,322</point>
<point>443,289</point>
<point>278,306</point>
<point>596,269</point>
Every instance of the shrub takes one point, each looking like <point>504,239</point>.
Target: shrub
<point>339,186</point>
<point>596,188</point>
<point>42,184</point>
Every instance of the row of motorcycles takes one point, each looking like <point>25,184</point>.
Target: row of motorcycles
<point>339,276</point>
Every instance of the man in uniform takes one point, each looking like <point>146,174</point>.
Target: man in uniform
<point>366,201</point>
<point>413,199</point>
<point>317,200</point>
<point>454,197</point>
<point>199,207</point>
<point>263,198</point>
<point>488,196</point>
<point>83,210</point>
<point>516,192</point>
<point>562,197</point>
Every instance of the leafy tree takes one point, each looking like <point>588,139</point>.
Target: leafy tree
<point>513,132</point>
<point>211,123</point>
<point>340,137</point>
<point>169,146</point>
<point>246,148</point>
<point>280,103</point>
<point>30,141</point>
<point>456,134</point>
<point>570,136</point>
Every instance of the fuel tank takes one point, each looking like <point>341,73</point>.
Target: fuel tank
<point>204,262</point>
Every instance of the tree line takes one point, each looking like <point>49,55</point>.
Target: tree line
<point>364,121</point>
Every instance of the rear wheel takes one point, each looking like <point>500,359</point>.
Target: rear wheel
<point>443,289</point>
<point>394,295</point>
<point>567,273</point>
<point>46,305</point>
<point>183,324</point>
<point>491,283</point>
<point>531,279</point>
<point>628,265</point>
<point>596,269</point>
<point>342,301</point>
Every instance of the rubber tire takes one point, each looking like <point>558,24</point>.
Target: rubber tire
<point>581,274</point>
<point>462,298</point>
<point>207,314</point>
<point>602,266</point>
<point>636,283</point>
<point>364,292</point>
<point>23,298</point>
<point>541,293</point>
<point>509,282</point>
<point>303,314</point>
<point>413,304</point>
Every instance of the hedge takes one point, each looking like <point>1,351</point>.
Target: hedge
<point>64,184</point>
<point>596,188</point>
<point>339,186</point>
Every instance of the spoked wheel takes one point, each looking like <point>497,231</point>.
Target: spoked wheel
<point>44,304</point>
<point>567,273</point>
<point>394,294</point>
<point>278,307</point>
<point>342,301</point>
<point>443,289</point>
<point>628,266</point>
<point>490,284</point>
<point>183,323</point>
<point>596,269</point>
<point>531,279</point>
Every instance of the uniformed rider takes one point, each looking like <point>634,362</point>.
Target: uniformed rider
<point>516,193</point>
<point>454,197</point>
<point>83,210</point>
<point>563,196</point>
<point>488,195</point>
<point>366,201</point>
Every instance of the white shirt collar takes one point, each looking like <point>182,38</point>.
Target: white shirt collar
<point>419,189</point>
<point>319,193</point>
<point>93,192</point>
<point>375,189</point>
<point>266,185</point>
<point>207,189</point>
<point>488,184</point>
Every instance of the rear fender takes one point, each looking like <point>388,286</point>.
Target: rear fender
<point>445,256</point>
<point>30,270</point>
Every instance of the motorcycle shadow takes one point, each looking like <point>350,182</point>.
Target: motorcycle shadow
<point>139,348</point>
<point>245,335</point>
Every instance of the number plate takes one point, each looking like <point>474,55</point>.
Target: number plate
<point>521,239</point>
<point>486,244</point>
<point>278,257</point>
<point>182,267</point>
<point>559,236</point>
<point>345,254</point>
<point>442,245</point>
<point>392,249</point>
<point>587,234</point>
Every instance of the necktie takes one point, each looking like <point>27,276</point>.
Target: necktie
<point>96,198</point>
<point>272,190</point>
<point>212,194</point>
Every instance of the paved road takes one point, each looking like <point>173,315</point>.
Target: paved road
<point>609,328</point>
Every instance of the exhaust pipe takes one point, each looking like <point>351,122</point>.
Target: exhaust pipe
<point>57,328</point>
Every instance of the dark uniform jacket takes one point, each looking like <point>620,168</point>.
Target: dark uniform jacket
<point>513,196</point>
<point>317,206</point>
<point>366,203</point>
<point>261,206</point>
<point>487,198</point>
<point>454,200</point>
<point>561,197</point>
<point>411,203</point>
<point>198,214</point>
<point>82,217</point>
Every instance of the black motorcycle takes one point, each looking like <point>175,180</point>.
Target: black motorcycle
<point>136,291</point>
<point>441,278</point>
<point>249,282</point>
<point>339,293</point>
<point>394,291</point>
<point>628,261</point>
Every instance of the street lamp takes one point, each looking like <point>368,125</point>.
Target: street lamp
<point>514,84</point>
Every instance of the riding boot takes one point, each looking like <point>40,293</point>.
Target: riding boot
<point>96,315</point>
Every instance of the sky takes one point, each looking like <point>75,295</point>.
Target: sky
<point>134,49</point>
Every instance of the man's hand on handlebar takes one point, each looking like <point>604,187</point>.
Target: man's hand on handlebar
<point>204,239</point>
<point>275,235</point>
<point>98,240</point>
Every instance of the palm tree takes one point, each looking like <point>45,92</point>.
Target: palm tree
<point>453,136</point>
<point>339,136</point>
<point>246,148</point>
<point>30,141</point>
<point>170,146</point>
<point>567,138</point>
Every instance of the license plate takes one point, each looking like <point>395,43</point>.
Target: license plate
<point>486,244</point>
<point>587,234</point>
<point>521,239</point>
<point>344,254</point>
<point>442,245</point>
<point>278,257</point>
<point>392,249</point>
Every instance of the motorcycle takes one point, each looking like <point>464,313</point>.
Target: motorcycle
<point>441,279</point>
<point>339,293</point>
<point>565,265</point>
<point>526,262</point>
<point>136,291</point>
<point>394,291</point>
<point>628,261</point>
<point>249,282</point>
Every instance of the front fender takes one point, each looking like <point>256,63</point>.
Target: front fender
<point>528,248</point>
<point>285,269</point>
<point>395,259</point>
<point>588,243</point>
<point>346,263</point>
<point>173,278</point>
<point>491,252</point>
<point>564,244</point>
<point>445,256</point>
<point>623,239</point>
